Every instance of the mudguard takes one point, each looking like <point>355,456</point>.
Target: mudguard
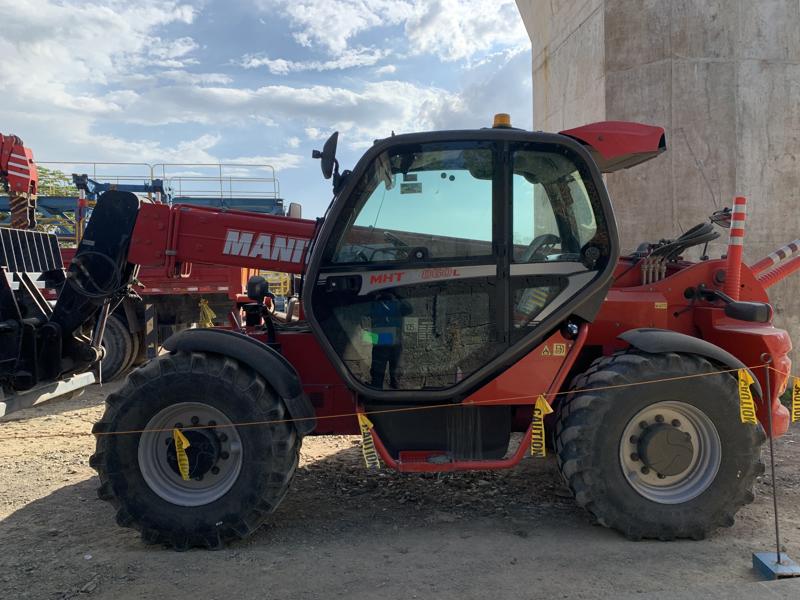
<point>274,368</point>
<point>658,341</point>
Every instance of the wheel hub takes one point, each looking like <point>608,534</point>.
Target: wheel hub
<point>203,452</point>
<point>666,449</point>
<point>214,453</point>
<point>670,452</point>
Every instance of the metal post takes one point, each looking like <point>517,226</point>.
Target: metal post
<point>767,361</point>
<point>97,336</point>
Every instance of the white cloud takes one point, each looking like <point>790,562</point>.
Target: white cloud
<point>448,29</point>
<point>331,24</point>
<point>280,162</point>
<point>350,58</point>
<point>49,46</point>
<point>293,142</point>
<point>385,70</point>
<point>460,29</point>
<point>181,76</point>
<point>372,110</point>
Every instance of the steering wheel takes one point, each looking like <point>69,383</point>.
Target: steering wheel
<point>546,241</point>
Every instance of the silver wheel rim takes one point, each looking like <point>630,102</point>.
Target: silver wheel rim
<point>705,461</point>
<point>154,449</point>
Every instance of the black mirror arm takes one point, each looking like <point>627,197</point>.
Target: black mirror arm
<point>754,312</point>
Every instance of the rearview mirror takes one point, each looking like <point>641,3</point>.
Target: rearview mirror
<point>754,312</point>
<point>328,155</point>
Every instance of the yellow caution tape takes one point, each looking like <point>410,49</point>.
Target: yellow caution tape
<point>371,459</point>
<point>747,409</point>
<point>795,399</point>
<point>207,315</point>
<point>540,409</point>
<point>181,444</point>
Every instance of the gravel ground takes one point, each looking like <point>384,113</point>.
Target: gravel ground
<point>343,532</point>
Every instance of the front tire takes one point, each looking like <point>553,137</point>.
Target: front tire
<point>238,475</point>
<point>659,460</point>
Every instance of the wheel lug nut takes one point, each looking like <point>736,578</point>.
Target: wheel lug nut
<point>634,456</point>
<point>659,419</point>
<point>645,470</point>
<point>643,424</point>
<point>224,455</point>
<point>660,476</point>
<point>214,470</point>
<point>676,423</point>
<point>178,425</point>
<point>212,423</point>
<point>199,478</point>
<point>634,439</point>
<point>223,437</point>
<point>195,420</point>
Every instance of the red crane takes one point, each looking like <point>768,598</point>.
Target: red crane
<point>20,180</point>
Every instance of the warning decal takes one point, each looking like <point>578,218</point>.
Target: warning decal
<point>181,444</point>
<point>747,409</point>
<point>371,459</point>
<point>540,409</point>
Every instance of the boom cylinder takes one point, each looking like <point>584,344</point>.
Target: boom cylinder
<point>733,269</point>
<point>776,257</point>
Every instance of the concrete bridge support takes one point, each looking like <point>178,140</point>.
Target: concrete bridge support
<point>723,78</point>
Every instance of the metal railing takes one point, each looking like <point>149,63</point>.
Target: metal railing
<point>236,185</point>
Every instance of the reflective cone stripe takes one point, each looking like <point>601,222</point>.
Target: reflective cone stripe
<point>774,258</point>
<point>733,269</point>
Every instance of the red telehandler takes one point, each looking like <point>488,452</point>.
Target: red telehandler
<point>460,284</point>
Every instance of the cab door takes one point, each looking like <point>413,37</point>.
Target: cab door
<point>407,292</point>
<point>439,265</point>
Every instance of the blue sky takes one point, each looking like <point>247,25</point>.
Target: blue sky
<point>254,80</point>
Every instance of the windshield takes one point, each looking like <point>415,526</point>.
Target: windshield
<point>432,201</point>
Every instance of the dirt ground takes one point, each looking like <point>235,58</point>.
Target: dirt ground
<point>343,532</point>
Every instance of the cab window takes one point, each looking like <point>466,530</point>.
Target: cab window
<point>553,217</point>
<point>423,203</point>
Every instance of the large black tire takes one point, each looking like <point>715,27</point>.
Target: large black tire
<point>268,453</point>
<point>118,347</point>
<point>591,423</point>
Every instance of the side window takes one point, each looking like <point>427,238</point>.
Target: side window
<point>433,202</point>
<point>553,217</point>
<point>408,295</point>
<point>554,222</point>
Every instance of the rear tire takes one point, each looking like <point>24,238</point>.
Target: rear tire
<point>138,486</point>
<point>118,347</point>
<point>600,430</point>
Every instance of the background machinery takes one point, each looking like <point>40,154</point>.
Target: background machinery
<point>160,305</point>
<point>458,280</point>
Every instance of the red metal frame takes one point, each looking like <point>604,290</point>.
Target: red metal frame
<point>514,381</point>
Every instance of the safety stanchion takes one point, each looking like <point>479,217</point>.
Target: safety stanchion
<point>773,565</point>
<point>733,270</point>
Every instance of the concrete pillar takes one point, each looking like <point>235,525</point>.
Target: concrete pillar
<point>723,78</point>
